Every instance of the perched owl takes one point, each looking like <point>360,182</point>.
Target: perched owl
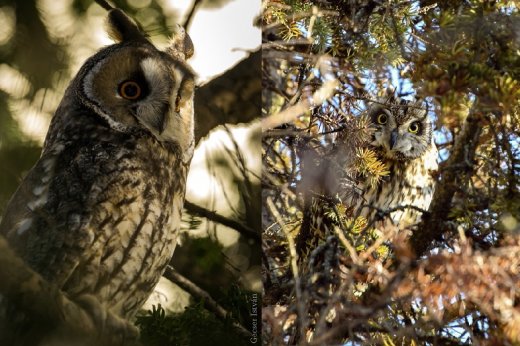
<point>99,213</point>
<point>402,139</point>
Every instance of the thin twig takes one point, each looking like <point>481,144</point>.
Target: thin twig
<point>213,216</point>
<point>197,292</point>
<point>301,15</point>
<point>318,97</point>
<point>189,17</point>
<point>294,264</point>
<point>104,4</point>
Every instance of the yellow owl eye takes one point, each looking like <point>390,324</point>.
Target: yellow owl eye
<point>382,119</point>
<point>414,127</point>
<point>130,90</point>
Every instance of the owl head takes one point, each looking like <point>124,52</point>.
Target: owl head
<point>136,88</point>
<point>401,128</point>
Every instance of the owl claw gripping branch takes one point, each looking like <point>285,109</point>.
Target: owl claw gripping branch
<point>99,213</point>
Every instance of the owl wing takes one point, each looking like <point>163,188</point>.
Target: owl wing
<point>47,220</point>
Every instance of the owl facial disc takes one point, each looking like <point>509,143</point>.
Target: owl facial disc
<point>401,129</point>
<point>136,87</point>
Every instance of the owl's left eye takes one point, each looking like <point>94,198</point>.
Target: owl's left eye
<point>130,90</point>
<point>414,127</point>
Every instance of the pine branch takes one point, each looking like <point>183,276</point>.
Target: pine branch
<point>322,94</point>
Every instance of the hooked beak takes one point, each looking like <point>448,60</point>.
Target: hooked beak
<point>393,138</point>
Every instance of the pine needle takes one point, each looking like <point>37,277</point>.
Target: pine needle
<point>369,166</point>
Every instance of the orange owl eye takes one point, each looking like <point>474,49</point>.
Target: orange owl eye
<point>130,90</point>
<point>381,119</point>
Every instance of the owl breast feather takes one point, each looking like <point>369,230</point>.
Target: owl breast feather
<point>99,215</point>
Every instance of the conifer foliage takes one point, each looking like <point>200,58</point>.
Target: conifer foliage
<point>454,280</point>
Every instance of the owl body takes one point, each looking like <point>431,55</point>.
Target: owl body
<point>413,188</point>
<point>98,215</point>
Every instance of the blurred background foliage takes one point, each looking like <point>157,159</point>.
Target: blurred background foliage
<point>42,45</point>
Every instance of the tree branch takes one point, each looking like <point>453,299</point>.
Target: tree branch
<point>46,313</point>
<point>321,95</point>
<point>197,292</point>
<point>231,98</point>
<point>433,224</point>
<point>213,216</point>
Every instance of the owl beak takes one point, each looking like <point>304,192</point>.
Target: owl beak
<point>393,138</point>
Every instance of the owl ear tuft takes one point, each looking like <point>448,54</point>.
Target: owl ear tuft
<point>181,46</point>
<point>390,94</point>
<point>123,28</point>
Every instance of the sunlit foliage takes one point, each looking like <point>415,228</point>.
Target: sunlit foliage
<point>454,280</point>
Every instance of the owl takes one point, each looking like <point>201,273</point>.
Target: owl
<point>99,213</point>
<point>402,139</point>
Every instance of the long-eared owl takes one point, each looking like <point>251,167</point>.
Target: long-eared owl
<point>99,213</point>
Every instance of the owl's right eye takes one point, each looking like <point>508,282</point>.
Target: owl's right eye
<point>130,90</point>
<point>381,119</point>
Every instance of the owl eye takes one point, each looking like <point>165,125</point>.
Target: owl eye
<point>414,127</point>
<point>130,90</point>
<point>382,119</point>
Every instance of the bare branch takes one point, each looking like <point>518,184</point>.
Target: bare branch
<point>197,292</point>
<point>41,303</point>
<point>213,216</point>
<point>231,98</point>
<point>433,224</point>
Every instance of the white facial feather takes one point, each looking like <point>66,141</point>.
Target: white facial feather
<point>176,126</point>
